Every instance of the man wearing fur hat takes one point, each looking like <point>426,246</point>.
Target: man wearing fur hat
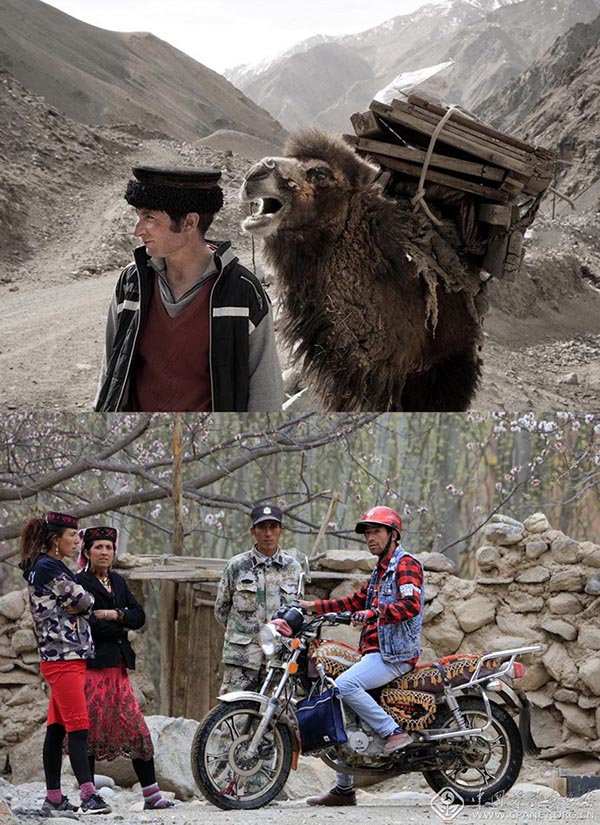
<point>189,328</point>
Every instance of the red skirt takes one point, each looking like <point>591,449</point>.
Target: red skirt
<point>117,724</point>
<point>67,706</point>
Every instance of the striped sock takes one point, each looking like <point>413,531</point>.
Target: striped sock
<point>152,797</point>
<point>87,790</point>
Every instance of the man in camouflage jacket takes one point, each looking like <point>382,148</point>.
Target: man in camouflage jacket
<point>253,586</point>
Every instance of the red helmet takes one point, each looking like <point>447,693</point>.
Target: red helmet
<point>379,517</point>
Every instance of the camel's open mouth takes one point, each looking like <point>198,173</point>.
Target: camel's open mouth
<point>262,218</point>
<point>265,206</point>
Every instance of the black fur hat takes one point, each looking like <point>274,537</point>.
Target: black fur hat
<point>176,191</point>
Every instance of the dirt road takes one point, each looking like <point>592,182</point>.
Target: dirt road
<point>52,344</point>
<point>52,339</point>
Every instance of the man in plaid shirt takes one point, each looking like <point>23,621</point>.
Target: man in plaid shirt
<point>389,607</point>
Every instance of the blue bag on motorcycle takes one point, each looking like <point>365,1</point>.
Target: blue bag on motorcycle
<point>321,721</point>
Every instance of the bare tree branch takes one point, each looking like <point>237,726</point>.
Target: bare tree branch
<point>51,480</point>
<point>250,447</point>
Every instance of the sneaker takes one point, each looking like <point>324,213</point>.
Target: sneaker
<point>397,741</point>
<point>63,805</point>
<point>95,805</point>
<point>161,805</point>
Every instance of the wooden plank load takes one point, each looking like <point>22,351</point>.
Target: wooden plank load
<point>494,182</point>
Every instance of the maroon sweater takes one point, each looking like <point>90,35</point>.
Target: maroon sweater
<point>172,364</point>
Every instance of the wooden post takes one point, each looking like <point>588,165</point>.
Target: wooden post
<point>168,590</point>
<point>183,638</point>
<point>167,637</point>
<point>332,505</point>
<point>198,651</point>
<point>177,484</point>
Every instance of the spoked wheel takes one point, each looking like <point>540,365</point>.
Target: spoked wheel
<point>224,772</point>
<point>489,763</point>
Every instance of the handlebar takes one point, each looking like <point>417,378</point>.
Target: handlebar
<point>335,618</point>
<point>296,616</point>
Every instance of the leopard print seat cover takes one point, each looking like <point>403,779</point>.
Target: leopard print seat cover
<point>409,699</point>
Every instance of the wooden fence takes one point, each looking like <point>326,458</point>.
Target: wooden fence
<point>191,640</point>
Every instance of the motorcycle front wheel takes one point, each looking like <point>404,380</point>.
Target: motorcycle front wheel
<point>223,771</point>
<point>489,764</point>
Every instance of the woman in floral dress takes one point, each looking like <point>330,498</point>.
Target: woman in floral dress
<point>117,725</point>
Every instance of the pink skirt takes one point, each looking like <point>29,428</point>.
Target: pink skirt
<point>117,724</point>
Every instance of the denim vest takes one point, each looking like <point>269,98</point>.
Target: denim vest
<point>401,641</point>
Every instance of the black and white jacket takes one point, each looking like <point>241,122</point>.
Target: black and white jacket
<point>244,366</point>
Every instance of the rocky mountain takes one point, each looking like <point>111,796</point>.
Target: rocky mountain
<point>323,81</point>
<point>556,103</point>
<point>102,77</point>
<point>46,159</point>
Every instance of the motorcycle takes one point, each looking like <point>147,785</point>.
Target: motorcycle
<point>458,710</point>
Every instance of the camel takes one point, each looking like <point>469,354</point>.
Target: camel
<point>376,302</point>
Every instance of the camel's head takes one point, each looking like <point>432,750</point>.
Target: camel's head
<point>312,182</point>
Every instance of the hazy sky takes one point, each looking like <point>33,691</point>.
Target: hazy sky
<point>223,33</point>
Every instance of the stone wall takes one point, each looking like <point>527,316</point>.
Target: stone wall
<point>23,702</point>
<point>533,585</point>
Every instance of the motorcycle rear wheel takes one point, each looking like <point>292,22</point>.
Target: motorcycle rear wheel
<point>223,773</point>
<point>499,748</point>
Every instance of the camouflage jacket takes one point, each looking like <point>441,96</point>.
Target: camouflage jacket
<point>251,589</point>
<point>52,587</point>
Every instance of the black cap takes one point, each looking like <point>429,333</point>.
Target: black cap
<point>181,177</point>
<point>175,189</point>
<point>266,512</point>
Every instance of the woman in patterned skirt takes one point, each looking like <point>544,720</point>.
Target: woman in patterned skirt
<point>117,725</point>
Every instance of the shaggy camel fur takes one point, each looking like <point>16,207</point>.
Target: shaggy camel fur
<point>376,303</point>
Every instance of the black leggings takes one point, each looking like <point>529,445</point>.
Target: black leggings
<point>52,755</point>
<point>144,770</point>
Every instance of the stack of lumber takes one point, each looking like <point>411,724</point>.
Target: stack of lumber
<point>501,177</point>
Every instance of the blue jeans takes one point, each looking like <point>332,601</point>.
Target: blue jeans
<point>371,672</point>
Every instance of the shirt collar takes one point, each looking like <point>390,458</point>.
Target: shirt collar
<point>159,266</point>
<point>383,564</point>
<point>267,561</point>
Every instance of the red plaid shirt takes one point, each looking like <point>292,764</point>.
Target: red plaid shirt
<point>409,571</point>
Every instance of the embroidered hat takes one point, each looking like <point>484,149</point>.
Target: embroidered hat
<point>92,534</point>
<point>175,190</point>
<point>61,520</point>
<point>266,512</point>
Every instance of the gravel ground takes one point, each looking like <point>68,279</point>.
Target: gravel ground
<point>525,804</point>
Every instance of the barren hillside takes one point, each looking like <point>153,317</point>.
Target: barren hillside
<point>557,103</point>
<point>105,78</point>
<point>46,159</point>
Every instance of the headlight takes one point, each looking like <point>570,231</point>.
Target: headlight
<point>269,638</point>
